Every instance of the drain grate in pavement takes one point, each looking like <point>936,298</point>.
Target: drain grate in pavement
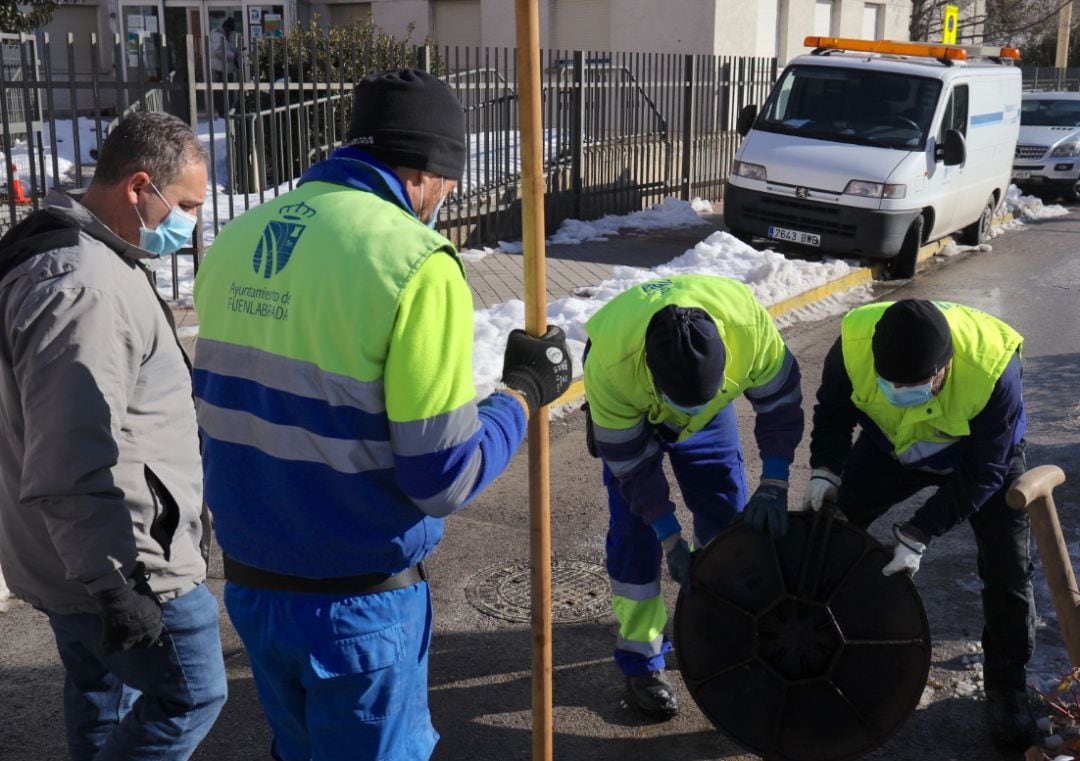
<point>579,591</point>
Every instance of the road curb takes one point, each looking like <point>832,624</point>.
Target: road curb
<point>853,279</point>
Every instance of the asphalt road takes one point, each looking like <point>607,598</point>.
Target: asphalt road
<point>480,665</point>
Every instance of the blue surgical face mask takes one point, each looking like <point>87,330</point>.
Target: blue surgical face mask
<point>171,233</point>
<point>686,410</point>
<point>907,396</point>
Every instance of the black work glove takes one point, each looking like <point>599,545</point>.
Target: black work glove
<point>767,509</point>
<point>678,563</point>
<point>537,368</point>
<point>130,615</point>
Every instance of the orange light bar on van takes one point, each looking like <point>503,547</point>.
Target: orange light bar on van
<point>924,49</point>
<point>888,47</point>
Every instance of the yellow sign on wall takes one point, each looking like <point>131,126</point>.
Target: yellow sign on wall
<point>952,20</point>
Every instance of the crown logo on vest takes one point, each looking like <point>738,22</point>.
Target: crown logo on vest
<point>279,238</point>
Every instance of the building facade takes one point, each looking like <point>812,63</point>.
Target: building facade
<point>715,27</point>
<point>136,22</point>
<point>763,28</point>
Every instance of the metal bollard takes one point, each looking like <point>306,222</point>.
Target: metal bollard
<point>1034,491</point>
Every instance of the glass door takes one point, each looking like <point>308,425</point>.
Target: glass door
<point>140,23</point>
<point>180,21</point>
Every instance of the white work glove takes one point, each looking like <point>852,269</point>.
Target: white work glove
<point>906,555</point>
<point>823,487</point>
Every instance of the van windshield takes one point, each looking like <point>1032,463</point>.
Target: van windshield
<point>1050,113</point>
<point>852,106</point>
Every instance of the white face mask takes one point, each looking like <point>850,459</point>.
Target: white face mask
<point>434,218</point>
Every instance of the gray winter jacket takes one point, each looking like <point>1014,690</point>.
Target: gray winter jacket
<point>99,454</point>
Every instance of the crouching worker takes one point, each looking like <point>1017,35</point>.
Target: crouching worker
<point>664,362</point>
<point>936,389</point>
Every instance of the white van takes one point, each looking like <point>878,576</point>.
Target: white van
<point>1048,154</point>
<point>873,148</point>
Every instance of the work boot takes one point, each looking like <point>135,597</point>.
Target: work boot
<point>653,694</point>
<point>1011,723</point>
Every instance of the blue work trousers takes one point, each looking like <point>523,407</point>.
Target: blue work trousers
<point>155,704</point>
<point>340,677</point>
<point>711,475</point>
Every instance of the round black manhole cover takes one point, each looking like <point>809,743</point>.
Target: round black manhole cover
<point>579,591</point>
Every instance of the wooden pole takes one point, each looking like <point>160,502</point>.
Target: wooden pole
<point>532,211</point>
<point>1034,492</point>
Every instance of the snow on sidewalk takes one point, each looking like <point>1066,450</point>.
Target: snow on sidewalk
<point>771,276</point>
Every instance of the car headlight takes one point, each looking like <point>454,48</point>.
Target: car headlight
<point>750,171</point>
<point>1066,149</point>
<point>869,189</point>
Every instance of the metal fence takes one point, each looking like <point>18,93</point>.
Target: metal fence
<point>1050,78</point>
<point>621,130</point>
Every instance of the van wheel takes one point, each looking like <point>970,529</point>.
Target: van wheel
<point>903,264</point>
<point>979,230</point>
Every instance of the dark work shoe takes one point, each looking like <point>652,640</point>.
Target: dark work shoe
<point>653,695</point>
<point>1011,724</point>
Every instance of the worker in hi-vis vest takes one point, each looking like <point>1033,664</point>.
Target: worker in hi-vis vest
<point>340,424</point>
<point>936,389</point>
<point>664,362</point>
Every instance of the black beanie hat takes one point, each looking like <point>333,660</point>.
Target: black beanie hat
<point>409,118</point>
<point>685,354</point>
<point>912,341</point>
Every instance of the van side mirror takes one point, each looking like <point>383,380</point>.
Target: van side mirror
<point>953,149</point>
<point>746,119</point>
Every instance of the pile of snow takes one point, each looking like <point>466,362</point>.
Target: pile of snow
<point>772,277</point>
<point>1031,207</point>
<point>955,249</point>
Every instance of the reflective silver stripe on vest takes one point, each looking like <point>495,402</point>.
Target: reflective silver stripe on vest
<point>648,649</point>
<point>620,468</point>
<point>619,435</point>
<point>289,442</point>
<point>635,592</point>
<point>792,397</point>
<point>923,450</point>
<point>293,376</point>
<point>434,434</point>
<point>456,494</point>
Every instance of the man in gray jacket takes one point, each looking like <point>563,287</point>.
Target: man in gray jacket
<point>101,521</point>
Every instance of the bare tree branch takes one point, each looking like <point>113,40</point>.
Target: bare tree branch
<point>15,18</point>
